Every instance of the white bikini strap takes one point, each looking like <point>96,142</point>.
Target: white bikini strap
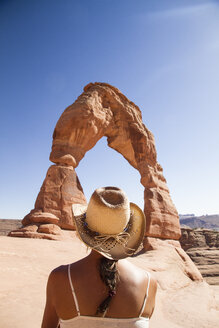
<point>146,295</point>
<point>72,289</point>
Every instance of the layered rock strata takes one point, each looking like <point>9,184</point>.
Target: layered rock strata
<point>202,245</point>
<point>52,213</point>
<point>6,225</point>
<point>199,238</point>
<point>102,110</point>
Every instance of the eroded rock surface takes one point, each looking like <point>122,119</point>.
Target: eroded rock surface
<point>195,238</point>
<point>202,246</point>
<point>61,188</point>
<point>102,110</point>
<point>207,261</point>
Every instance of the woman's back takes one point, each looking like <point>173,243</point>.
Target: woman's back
<point>103,289</point>
<point>90,291</point>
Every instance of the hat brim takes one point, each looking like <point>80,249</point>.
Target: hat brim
<point>113,248</point>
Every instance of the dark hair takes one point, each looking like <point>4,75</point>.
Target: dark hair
<point>109,275</point>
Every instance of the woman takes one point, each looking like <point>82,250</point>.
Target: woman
<point>103,289</point>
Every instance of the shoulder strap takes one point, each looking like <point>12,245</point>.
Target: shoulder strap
<point>146,295</point>
<point>72,289</point>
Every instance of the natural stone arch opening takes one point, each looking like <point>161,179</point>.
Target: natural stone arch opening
<point>105,167</point>
<point>101,110</point>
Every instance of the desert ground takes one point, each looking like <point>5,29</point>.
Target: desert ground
<point>26,263</point>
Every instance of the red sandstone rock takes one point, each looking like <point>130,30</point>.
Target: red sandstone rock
<point>61,188</point>
<point>160,245</point>
<point>50,228</point>
<point>40,217</point>
<point>29,228</point>
<point>36,235</point>
<point>202,247</point>
<point>102,110</point>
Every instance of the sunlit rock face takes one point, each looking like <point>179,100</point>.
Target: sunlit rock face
<point>102,110</point>
<point>61,188</point>
<point>52,213</point>
<point>202,245</point>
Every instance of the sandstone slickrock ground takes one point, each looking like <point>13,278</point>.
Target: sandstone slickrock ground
<point>26,263</point>
<point>202,245</point>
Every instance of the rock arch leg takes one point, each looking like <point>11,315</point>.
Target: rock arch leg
<point>52,213</point>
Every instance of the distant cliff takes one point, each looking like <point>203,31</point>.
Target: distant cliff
<point>204,221</point>
<point>7,225</point>
<point>202,245</point>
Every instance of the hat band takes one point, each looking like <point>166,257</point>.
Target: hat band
<point>121,238</point>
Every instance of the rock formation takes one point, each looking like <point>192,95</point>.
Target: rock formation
<point>101,110</point>
<point>61,188</point>
<point>199,238</point>
<point>202,246</point>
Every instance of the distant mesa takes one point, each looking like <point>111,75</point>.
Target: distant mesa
<point>184,216</point>
<point>204,221</point>
<point>101,110</point>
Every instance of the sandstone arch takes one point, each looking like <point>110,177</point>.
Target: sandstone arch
<point>101,110</point>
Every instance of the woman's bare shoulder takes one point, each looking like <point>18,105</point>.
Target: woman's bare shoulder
<point>63,269</point>
<point>131,271</point>
<point>58,271</point>
<point>58,279</point>
<point>55,276</point>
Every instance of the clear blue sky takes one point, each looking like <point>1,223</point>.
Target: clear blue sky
<point>162,54</point>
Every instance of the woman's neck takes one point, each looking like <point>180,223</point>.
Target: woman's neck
<point>94,256</point>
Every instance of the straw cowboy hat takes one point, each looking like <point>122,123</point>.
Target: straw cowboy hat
<point>110,224</point>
